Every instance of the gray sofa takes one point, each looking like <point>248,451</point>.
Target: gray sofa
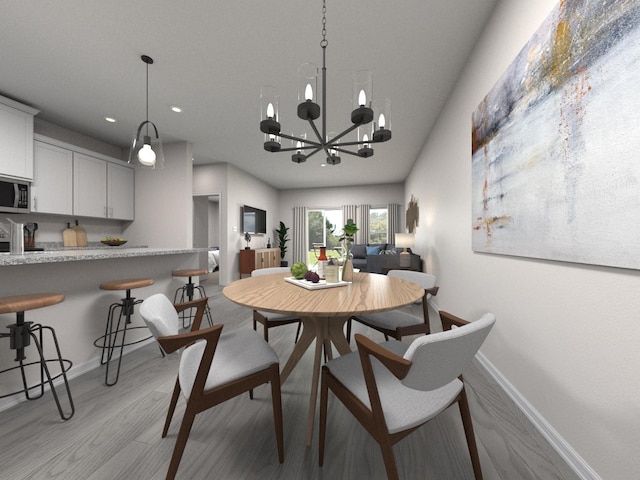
<point>380,258</point>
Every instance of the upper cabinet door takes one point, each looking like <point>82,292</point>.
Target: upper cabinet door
<point>89,186</point>
<point>16,141</point>
<point>52,189</point>
<point>120,192</point>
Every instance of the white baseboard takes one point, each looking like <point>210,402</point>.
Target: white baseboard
<point>74,371</point>
<point>559,444</point>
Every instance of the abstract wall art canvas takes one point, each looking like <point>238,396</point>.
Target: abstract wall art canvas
<point>556,142</point>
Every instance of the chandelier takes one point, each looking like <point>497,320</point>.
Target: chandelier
<point>368,131</point>
<point>147,148</point>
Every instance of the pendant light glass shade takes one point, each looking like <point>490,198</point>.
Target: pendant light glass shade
<point>146,146</point>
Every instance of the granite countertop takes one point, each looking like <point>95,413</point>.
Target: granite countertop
<point>71,254</point>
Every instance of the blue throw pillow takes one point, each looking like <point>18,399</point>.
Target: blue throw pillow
<point>374,250</point>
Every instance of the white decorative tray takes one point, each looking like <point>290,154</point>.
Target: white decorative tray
<point>315,286</point>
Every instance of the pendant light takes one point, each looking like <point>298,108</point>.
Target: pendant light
<point>146,147</point>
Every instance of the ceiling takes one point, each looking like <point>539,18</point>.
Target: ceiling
<point>78,61</point>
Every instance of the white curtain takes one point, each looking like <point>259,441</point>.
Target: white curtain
<point>363,224</point>
<point>299,235</point>
<point>393,222</point>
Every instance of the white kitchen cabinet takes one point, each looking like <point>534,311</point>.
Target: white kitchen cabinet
<point>52,189</point>
<point>120,192</point>
<point>16,139</point>
<point>70,180</point>
<point>102,189</point>
<point>89,186</point>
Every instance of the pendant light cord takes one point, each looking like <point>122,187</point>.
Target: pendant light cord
<point>147,99</point>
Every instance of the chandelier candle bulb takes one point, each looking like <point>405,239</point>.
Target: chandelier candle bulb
<point>362,98</point>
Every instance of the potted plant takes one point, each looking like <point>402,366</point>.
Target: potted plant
<point>283,238</point>
<point>348,234</point>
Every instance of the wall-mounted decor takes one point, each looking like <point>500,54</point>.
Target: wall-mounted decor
<point>413,215</point>
<point>556,142</point>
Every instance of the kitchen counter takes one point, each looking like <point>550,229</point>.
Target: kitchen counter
<point>80,254</point>
<point>77,273</point>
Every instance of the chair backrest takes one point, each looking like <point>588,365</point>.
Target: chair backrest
<point>425,280</point>
<point>439,358</point>
<point>269,270</point>
<point>160,315</point>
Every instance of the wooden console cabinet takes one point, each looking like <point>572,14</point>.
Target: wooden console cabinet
<point>251,260</point>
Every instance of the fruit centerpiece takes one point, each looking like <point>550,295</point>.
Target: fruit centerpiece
<point>300,271</point>
<point>113,241</point>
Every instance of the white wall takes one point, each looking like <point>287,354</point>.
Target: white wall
<point>164,202</point>
<point>236,188</point>
<point>567,334</point>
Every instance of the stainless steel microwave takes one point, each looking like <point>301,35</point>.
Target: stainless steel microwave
<point>14,196</point>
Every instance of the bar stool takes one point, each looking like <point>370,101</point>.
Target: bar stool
<point>186,293</point>
<point>109,341</point>
<point>20,335</point>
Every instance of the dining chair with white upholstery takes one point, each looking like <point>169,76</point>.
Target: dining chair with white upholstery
<point>271,319</point>
<point>398,323</point>
<point>214,367</point>
<point>406,385</point>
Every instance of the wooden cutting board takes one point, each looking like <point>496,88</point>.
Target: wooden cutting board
<point>69,237</point>
<point>81,235</point>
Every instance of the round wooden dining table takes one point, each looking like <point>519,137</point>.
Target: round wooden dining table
<point>323,312</point>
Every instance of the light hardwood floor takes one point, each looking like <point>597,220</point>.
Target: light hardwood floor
<point>115,433</point>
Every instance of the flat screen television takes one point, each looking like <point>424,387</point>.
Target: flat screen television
<point>254,220</point>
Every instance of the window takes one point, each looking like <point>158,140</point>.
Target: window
<point>378,224</point>
<point>324,227</point>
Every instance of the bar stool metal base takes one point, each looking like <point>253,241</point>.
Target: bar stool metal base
<point>20,335</point>
<point>186,293</point>
<point>115,334</point>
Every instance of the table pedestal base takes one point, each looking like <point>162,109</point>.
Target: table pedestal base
<point>326,331</point>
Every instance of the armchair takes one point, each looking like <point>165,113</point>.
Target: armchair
<point>398,323</point>
<point>212,370</point>
<point>271,319</point>
<point>410,385</point>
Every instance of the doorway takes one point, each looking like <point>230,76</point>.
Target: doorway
<point>206,232</point>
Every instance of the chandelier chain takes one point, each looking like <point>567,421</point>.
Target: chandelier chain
<point>324,41</point>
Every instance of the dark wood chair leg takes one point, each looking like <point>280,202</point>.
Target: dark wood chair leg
<point>348,331</point>
<point>181,442</point>
<point>172,408</point>
<point>276,400</point>
<point>463,403</point>
<point>298,331</point>
<point>388,457</point>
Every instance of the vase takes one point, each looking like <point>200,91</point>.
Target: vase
<point>347,268</point>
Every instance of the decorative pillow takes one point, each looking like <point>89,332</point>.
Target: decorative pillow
<point>359,250</point>
<point>390,251</point>
<point>374,250</point>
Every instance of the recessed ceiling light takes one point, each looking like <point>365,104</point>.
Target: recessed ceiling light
<point>323,164</point>
<point>175,108</point>
<point>110,119</point>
